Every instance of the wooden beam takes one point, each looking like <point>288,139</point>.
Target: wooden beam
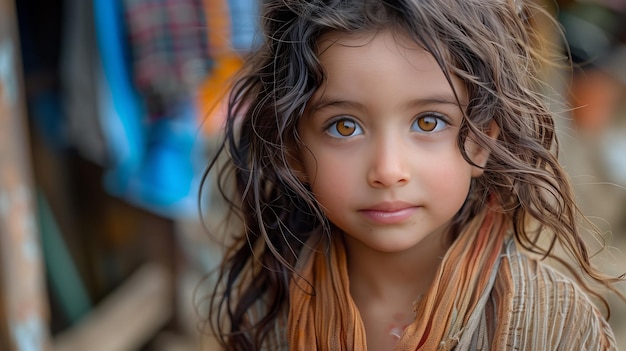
<point>23,300</point>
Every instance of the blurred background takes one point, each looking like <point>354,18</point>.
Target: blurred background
<point>109,112</point>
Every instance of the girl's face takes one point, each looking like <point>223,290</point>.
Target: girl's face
<point>380,141</point>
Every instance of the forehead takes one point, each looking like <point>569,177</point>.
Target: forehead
<point>363,38</point>
<point>358,60</point>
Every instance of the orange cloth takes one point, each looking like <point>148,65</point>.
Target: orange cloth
<point>211,99</point>
<point>212,96</point>
<point>486,296</point>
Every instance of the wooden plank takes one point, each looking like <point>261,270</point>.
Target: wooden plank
<point>127,318</point>
<point>23,304</point>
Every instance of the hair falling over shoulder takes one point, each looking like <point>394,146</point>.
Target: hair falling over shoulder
<point>489,44</point>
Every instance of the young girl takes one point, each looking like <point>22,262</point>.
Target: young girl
<point>390,163</point>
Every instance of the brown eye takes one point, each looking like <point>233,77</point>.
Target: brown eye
<point>427,124</point>
<point>430,123</point>
<point>344,128</point>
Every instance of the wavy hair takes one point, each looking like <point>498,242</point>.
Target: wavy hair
<point>489,44</point>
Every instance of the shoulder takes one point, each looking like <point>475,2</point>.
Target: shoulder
<point>548,305</point>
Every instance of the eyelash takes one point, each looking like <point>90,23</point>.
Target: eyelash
<point>439,120</point>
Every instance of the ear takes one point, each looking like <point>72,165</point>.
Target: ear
<point>480,155</point>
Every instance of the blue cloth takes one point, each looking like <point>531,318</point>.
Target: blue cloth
<point>153,163</point>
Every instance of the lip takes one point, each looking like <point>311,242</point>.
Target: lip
<point>389,212</point>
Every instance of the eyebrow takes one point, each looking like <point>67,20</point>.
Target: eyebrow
<point>436,99</point>
<point>325,102</point>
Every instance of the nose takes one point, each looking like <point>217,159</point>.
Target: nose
<point>389,164</point>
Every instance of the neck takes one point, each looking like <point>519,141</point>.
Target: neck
<point>399,277</point>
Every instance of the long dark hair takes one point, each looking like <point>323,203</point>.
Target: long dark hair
<point>489,44</point>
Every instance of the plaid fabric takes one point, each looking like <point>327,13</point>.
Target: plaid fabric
<point>168,48</point>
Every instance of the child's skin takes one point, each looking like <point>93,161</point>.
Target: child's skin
<point>354,178</point>
<point>380,154</point>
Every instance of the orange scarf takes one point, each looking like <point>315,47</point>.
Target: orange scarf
<point>323,316</point>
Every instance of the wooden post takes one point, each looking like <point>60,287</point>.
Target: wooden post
<point>23,299</point>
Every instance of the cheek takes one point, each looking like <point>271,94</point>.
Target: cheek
<point>330,181</point>
<point>450,181</point>
<point>324,166</point>
<point>332,194</point>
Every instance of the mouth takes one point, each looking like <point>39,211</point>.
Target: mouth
<point>389,212</point>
